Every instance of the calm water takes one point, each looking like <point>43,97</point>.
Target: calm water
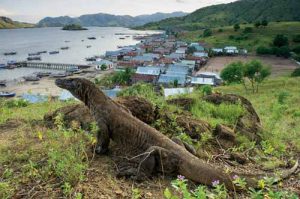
<point>25,41</point>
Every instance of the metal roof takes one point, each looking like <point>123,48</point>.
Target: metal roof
<point>165,78</point>
<point>177,91</point>
<point>148,70</point>
<point>203,81</point>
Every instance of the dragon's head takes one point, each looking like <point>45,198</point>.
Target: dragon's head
<point>79,87</point>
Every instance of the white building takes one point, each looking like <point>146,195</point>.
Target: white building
<point>231,50</point>
<point>109,65</point>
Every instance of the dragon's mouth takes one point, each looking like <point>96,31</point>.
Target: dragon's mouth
<point>65,83</point>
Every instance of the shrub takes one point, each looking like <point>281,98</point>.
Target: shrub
<point>220,30</point>
<point>280,40</point>
<point>261,50</point>
<point>206,90</point>
<point>283,51</point>
<point>236,27</point>
<point>296,73</point>
<point>207,33</point>
<point>233,73</point>
<point>248,30</point>
<point>296,38</point>
<point>296,49</point>
<point>282,96</point>
<point>257,24</point>
<point>264,23</point>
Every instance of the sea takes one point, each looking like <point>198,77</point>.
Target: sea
<point>32,40</point>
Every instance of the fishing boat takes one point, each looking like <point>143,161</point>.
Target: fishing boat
<point>58,75</point>
<point>53,52</point>
<point>10,53</point>
<point>91,38</point>
<point>72,70</point>
<point>120,46</point>
<point>35,58</point>
<point>7,94</point>
<point>65,48</point>
<point>88,46</point>
<point>67,41</point>
<point>43,74</point>
<point>31,78</point>
<point>2,66</point>
<point>2,83</point>
<point>91,59</point>
<point>34,54</point>
<point>121,37</point>
<point>42,52</point>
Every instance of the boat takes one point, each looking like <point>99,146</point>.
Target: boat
<point>35,58</point>
<point>3,66</point>
<point>7,94</point>
<point>91,38</point>
<point>58,75</point>
<point>121,37</point>
<point>72,70</point>
<point>42,52</point>
<point>91,59</point>
<point>43,74</point>
<point>67,41</point>
<point>88,46</point>
<point>53,52</point>
<point>78,72</point>
<point>31,78</point>
<point>2,83</point>
<point>34,54</point>
<point>65,48</point>
<point>10,53</point>
<point>120,46</point>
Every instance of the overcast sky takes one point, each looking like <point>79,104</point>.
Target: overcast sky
<point>34,10</point>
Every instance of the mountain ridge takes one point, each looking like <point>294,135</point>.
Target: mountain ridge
<point>7,23</point>
<point>242,11</point>
<point>104,19</point>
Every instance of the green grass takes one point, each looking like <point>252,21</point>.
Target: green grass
<point>262,36</point>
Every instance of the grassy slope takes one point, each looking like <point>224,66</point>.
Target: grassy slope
<point>260,36</point>
<point>51,152</point>
<point>4,25</point>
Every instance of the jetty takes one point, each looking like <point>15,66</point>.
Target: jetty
<point>53,66</point>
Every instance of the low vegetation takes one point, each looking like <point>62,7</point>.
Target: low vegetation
<point>73,27</point>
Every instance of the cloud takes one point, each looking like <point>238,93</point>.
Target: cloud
<point>4,12</point>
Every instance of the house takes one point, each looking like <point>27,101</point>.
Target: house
<point>177,91</point>
<point>217,51</point>
<point>215,76</point>
<point>147,74</point>
<point>189,63</point>
<point>99,64</point>
<point>231,50</point>
<point>203,81</point>
<point>175,56</point>
<point>177,69</point>
<point>200,54</point>
<point>198,47</point>
<point>167,79</point>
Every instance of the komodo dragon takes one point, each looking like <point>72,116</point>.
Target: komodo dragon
<point>158,152</point>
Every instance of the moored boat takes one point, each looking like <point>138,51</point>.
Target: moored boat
<point>42,52</point>
<point>31,78</point>
<point>2,83</point>
<point>3,66</point>
<point>7,94</point>
<point>53,52</point>
<point>88,46</point>
<point>34,58</point>
<point>34,54</point>
<point>10,53</point>
<point>58,75</point>
<point>91,59</point>
<point>65,48</point>
<point>91,38</point>
<point>43,74</point>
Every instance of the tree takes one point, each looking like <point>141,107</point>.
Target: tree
<point>175,83</point>
<point>233,73</point>
<point>236,27</point>
<point>255,72</point>
<point>103,67</point>
<point>207,33</point>
<point>296,38</point>
<point>257,24</point>
<point>191,50</point>
<point>264,23</point>
<point>261,50</point>
<point>280,40</point>
<point>248,30</point>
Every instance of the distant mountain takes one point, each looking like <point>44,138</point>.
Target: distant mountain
<point>7,23</point>
<point>103,20</point>
<point>242,11</point>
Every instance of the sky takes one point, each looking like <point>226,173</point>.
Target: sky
<point>34,10</point>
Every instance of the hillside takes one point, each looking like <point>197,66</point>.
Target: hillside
<point>7,23</point>
<point>242,11</point>
<point>262,36</point>
<point>104,20</point>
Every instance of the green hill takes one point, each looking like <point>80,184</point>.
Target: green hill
<point>7,23</point>
<point>242,11</point>
<point>262,36</point>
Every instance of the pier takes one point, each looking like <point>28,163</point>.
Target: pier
<point>53,66</point>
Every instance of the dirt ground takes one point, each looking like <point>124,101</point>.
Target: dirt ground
<point>278,65</point>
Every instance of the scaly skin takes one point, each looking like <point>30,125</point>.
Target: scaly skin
<point>134,135</point>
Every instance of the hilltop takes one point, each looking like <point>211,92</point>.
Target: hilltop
<point>242,11</point>
<point>261,36</point>
<point>104,20</point>
<point>7,23</point>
